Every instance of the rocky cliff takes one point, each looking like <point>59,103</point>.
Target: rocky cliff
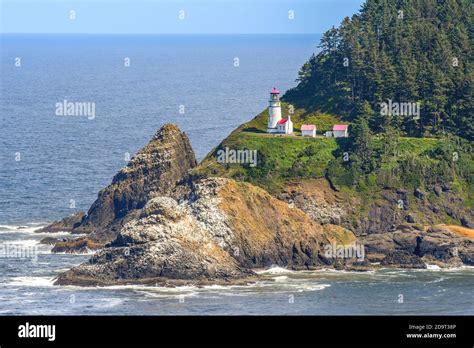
<point>399,229</point>
<point>216,232</point>
<point>379,212</point>
<point>154,170</point>
<point>165,227</point>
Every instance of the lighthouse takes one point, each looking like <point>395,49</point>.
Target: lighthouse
<point>274,111</point>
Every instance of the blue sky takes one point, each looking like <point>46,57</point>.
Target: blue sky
<point>162,16</point>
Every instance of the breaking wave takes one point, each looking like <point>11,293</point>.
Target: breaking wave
<point>31,281</point>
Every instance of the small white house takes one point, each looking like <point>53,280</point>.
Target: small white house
<point>340,131</point>
<point>308,130</point>
<point>285,126</point>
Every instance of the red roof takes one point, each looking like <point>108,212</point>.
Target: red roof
<point>339,127</point>
<point>282,121</point>
<point>308,127</point>
<point>275,91</point>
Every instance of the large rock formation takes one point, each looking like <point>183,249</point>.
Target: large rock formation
<point>388,228</point>
<point>68,224</point>
<point>167,230</point>
<point>387,209</point>
<point>317,199</point>
<point>217,232</point>
<point>154,170</point>
<point>415,246</point>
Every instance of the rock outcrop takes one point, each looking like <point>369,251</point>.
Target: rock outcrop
<point>316,198</point>
<point>154,170</point>
<point>217,233</point>
<point>388,228</point>
<point>384,213</point>
<point>68,224</point>
<point>412,246</point>
<point>158,225</point>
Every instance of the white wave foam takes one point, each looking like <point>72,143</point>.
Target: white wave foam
<point>409,272</point>
<point>315,287</point>
<point>24,242</point>
<point>275,270</point>
<point>109,303</point>
<point>325,271</point>
<point>58,234</point>
<point>438,280</point>
<point>151,288</point>
<point>87,252</point>
<point>33,227</point>
<point>31,281</point>
<point>431,268</point>
<point>233,290</point>
<point>29,228</point>
<point>283,288</point>
<point>280,278</point>
<point>217,287</point>
<point>159,294</point>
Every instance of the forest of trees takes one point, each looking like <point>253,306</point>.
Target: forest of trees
<point>406,51</point>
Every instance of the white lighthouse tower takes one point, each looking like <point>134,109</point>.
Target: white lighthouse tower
<point>274,111</point>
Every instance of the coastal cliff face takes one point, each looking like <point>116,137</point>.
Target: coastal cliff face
<point>414,247</point>
<point>407,235</point>
<point>215,233</point>
<point>317,199</point>
<point>154,170</point>
<point>380,212</point>
<point>218,230</point>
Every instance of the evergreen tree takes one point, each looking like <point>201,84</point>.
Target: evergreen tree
<point>403,50</point>
<point>362,146</point>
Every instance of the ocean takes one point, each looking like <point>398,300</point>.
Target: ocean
<point>53,165</point>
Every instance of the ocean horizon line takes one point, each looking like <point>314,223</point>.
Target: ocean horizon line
<point>165,34</point>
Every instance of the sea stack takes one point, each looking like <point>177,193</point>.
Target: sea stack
<point>154,170</point>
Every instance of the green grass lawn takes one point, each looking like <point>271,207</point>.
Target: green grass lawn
<point>277,154</point>
<point>285,158</point>
<point>280,157</point>
<point>323,122</point>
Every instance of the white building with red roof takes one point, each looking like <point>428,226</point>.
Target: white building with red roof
<point>340,131</point>
<point>285,126</point>
<point>277,124</point>
<point>308,130</point>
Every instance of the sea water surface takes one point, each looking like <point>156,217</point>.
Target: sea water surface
<point>54,165</point>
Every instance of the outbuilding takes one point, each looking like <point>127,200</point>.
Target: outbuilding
<point>285,126</point>
<point>340,131</point>
<point>308,130</point>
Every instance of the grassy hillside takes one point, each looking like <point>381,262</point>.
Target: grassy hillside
<point>419,163</point>
<point>280,158</point>
<point>323,122</point>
